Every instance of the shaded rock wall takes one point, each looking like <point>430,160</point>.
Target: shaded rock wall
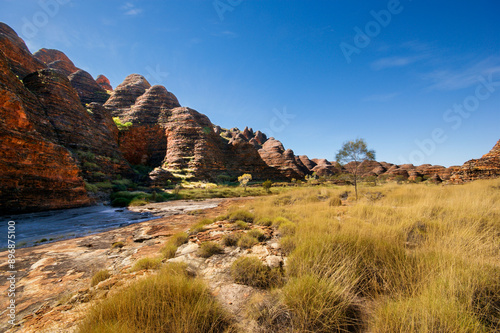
<point>35,173</point>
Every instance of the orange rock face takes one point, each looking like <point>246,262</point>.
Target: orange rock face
<point>35,173</point>
<point>50,142</point>
<point>19,58</point>
<point>104,82</point>
<point>57,60</point>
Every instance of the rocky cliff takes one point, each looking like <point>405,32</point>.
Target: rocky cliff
<point>487,166</point>
<point>35,173</point>
<point>50,142</point>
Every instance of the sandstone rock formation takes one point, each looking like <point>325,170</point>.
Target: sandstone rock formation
<point>50,142</point>
<point>35,173</point>
<point>181,143</point>
<point>275,155</point>
<point>87,88</point>
<point>57,60</point>
<point>104,83</point>
<point>19,58</point>
<point>124,96</point>
<point>488,166</point>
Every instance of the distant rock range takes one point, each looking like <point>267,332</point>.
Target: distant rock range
<point>59,136</point>
<point>486,167</point>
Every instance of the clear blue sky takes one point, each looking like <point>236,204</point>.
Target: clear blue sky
<point>281,66</point>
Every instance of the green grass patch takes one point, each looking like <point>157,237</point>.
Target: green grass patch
<point>246,241</point>
<point>241,225</point>
<point>242,215</point>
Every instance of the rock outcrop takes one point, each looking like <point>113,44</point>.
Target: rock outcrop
<point>486,167</point>
<point>50,142</point>
<point>275,155</point>
<point>35,173</point>
<point>125,95</point>
<point>192,145</point>
<point>104,83</point>
<point>87,88</point>
<point>56,59</point>
<point>75,127</point>
<point>19,58</point>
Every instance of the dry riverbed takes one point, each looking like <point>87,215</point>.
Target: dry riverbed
<point>53,280</point>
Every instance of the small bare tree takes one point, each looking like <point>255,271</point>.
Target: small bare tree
<point>355,151</point>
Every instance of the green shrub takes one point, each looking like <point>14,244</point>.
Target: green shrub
<point>90,166</point>
<point>246,241</point>
<point>170,301</point>
<point>98,174</point>
<point>265,221</point>
<point>146,263</point>
<point>252,272</point>
<point>121,126</point>
<point>87,155</point>
<point>120,202</point>
<point>257,234</point>
<point>231,239</point>
<point>104,185</point>
<point>99,276</point>
<point>200,226</point>
<point>220,218</point>
<point>208,249</point>
<point>91,188</point>
<point>138,202</point>
<point>267,185</point>
<point>118,244</point>
<point>241,225</point>
<point>242,215</point>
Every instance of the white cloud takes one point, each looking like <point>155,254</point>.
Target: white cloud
<point>455,79</point>
<point>130,9</point>
<point>133,12</point>
<point>396,61</point>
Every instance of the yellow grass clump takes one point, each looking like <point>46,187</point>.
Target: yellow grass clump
<point>169,301</point>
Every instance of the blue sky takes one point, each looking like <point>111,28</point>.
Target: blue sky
<point>419,80</point>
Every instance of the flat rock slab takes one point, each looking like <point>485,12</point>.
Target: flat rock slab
<point>50,273</point>
<point>170,208</point>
